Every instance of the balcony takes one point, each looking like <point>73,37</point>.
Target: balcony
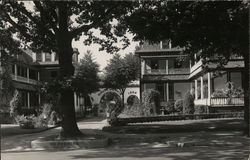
<point>221,102</point>
<point>24,79</point>
<point>169,71</point>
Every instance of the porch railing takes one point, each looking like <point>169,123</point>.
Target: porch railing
<point>225,101</point>
<point>169,71</point>
<point>221,101</point>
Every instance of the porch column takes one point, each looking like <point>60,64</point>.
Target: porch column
<point>53,57</point>
<point>38,76</point>
<point>75,99</point>
<point>28,74</point>
<point>196,89</point>
<point>34,57</point>
<point>15,72</point>
<point>43,57</point>
<point>28,98</point>
<point>142,67</point>
<point>167,91</point>
<point>209,85</point>
<point>202,88</point>
<point>78,100</point>
<point>166,66</point>
<point>39,99</point>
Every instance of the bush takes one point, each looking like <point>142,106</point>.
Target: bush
<point>188,103</point>
<point>200,109</point>
<point>178,105</point>
<point>27,122</point>
<point>151,101</point>
<point>168,106</point>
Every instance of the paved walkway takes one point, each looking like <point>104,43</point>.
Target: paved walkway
<point>192,145</point>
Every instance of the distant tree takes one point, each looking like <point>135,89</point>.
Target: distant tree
<point>86,78</point>
<point>120,72</point>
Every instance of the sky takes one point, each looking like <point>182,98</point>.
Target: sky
<point>102,57</point>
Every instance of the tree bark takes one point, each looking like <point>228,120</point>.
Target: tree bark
<point>66,71</point>
<point>246,94</point>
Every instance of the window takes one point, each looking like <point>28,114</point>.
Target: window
<point>154,64</point>
<point>33,74</point>
<point>13,69</point>
<point>39,57</point>
<point>166,44</point>
<point>33,99</point>
<point>235,77</point>
<point>47,57</point>
<point>160,88</point>
<point>53,74</point>
<point>21,71</point>
<point>220,81</point>
<point>23,101</point>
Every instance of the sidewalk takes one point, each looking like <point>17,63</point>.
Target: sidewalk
<point>181,139</point>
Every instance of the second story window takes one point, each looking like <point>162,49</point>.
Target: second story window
<point>154,64</point>
<point>39,57</point>
<point>21,71</point>
<point>47,57</point>
<point>166,44</point>
<point>33,74</point>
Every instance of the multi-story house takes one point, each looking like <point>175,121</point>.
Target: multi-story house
<point>165,69</point>
<point>172,73</point>
<point>28,70</point>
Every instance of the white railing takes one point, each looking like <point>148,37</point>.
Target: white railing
<point>235,101</point>
<point>220,101</point>
<point>170,71</point>
<point>178,71</point>
<point>23,79</point>
<point>196,66</point>
<point>155,71</point>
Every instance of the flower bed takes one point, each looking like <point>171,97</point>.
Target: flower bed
<point>124,121</point>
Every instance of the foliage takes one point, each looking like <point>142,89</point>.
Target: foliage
<point>13,104</point>
<point>86,78</point>
<point>151,99</point>
<point>27,122</point>
<point>6,84</point>
<point>132,100</point>
<point>121,71</point>
<point>200,109</point>
<point>197,26</point>
<point>229,92</point>
<point>135,110</point>
<point>168,106</point>
<point>178,105</point>
<point>188,103</point>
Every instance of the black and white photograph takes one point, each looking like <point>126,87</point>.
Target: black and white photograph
<point>124,80</point>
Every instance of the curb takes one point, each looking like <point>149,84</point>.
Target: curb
<point>69,144</point>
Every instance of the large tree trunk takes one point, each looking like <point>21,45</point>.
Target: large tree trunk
<point>64,40</point>
<point>246,94</point>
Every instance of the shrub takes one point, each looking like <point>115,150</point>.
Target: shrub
<point>219,94</point>
<point>168,106</point>
<point>151,100</point>
<point>178,105</point>
<point>200,109</point>
<point>188,103</point>
<point>135,110</point>
<point>27,122</point>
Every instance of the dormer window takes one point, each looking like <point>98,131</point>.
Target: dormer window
<point>166,44</point>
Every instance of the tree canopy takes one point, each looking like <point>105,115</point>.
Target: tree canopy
<point>86,78</point>
<point>121,71</point>
<point>211,27</point>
